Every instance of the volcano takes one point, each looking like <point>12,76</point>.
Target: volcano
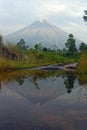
<point>43,32</point>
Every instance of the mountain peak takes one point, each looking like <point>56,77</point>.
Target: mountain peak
<point>42,20</point>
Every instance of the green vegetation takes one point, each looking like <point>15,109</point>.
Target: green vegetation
<point>82,64</point>
<point>18,56</point>
<point>82,78</point>
<point>70,44</point>
<point>21,56</point>
<point>85,16</point>
<point>83,47</point>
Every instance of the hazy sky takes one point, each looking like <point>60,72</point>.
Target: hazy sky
<point>66,14</point>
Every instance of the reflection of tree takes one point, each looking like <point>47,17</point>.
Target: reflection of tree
<point>36,85</point>
<point>42,75</point>
<point>20,79</point>
<point>33,75</point>
<point>0,85</point>
<point>69,81</point>
<point>35,78</point>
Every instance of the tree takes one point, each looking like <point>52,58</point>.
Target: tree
<point>13,51</point>
<point>22,45</point>
<point>85,16</point>
<point>0,39</point>
<point>83,47</point>
<point>38,46</point>
<point>45,49</point>
<point>1,45</point>
<point>70,44</point>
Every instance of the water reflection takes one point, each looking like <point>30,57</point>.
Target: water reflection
<point>41,100</point>
<point>70,79</point>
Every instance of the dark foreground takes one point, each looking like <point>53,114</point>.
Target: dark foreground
<point>43,101</point>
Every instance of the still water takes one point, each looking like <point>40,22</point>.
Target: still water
<point>41,100</point>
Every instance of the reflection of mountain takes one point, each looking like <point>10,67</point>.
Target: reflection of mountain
<point>45,106</point>
<point>50,89</point>
<point>78,94</point>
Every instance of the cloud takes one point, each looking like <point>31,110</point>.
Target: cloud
<point>78,30</point>
<point>27,8</point>
<point>55,8</point>
<point>68,14</point>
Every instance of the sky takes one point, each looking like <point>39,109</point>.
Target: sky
<point>65,14</point>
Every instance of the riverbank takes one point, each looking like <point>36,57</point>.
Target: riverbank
<point>34,59</point>
<point>59,66</point>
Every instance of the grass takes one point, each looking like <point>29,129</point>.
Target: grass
<point>82,64</point>
<point>34,59</point>
<point>82,68</point>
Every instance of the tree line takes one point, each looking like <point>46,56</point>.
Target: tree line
<point>20,50</point>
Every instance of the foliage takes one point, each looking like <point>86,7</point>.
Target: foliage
<point>28,57</point>
<point>70,44</point>
<point>0,38</point>
<point>85,16</point>
<point>38,46</point>
<point>22,45</point>
<point>82,64</point>
<point>1,44</point>
<point>82,79</point>
<point>83,47</point>
<point>45,49</point>
<point>13,48</point>
<point>71,49</point>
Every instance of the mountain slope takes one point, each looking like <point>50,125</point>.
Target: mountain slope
<point>40,32</point>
